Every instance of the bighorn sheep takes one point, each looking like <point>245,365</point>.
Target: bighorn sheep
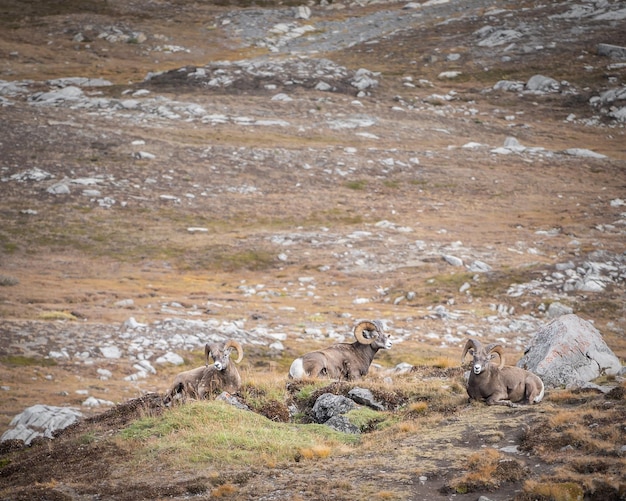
<point>205,381</point>
<point>497,384</point>
<point>344,360</point>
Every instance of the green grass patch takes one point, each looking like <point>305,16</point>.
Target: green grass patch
<point>335,216</point>
<point>393,184</point>
<point>308,390</point>
<point>217,433</point>
<point>22,361</point>
<point>357,184</point>
<point>87,438</point>
<point>226,258</point>
<point>367,419</point>
<point>604,307</point>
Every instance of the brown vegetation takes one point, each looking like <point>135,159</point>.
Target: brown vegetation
<point>73,262</point>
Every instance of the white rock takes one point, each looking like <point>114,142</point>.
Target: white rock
<point>282,97</point>
<point>144,155</point>
<point>131,323</point>
<point>582,152</point>
<point>540,83</point>
<point>448,75</point>
<point>303,12</point>
<point>59,189</point>
<point>96,402</point>
<point>453,260</point>
<point>110,352</point>
<point>40,420</point>
<point>170,358</point>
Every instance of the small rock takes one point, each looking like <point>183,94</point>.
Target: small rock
<point>452,260</point>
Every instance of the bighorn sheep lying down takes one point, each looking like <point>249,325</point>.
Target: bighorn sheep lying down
<point>497,384</point>
<point>207,380</point>
<point>344,360</point>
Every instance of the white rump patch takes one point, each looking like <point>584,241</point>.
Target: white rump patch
<point>539,397</point>
<point>296,371</point>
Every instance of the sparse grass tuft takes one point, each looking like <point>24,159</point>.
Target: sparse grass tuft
<point>366,419</point>
<point>387,495</point>
<point>23,361</point>
<point>417,408</point>
<point>408,427</point>
<point>56,315</point>
<point>553,491</point>
<point>315,452</point>
<point>487,469</point>
<point>6,280</point>
<point>358,184</point>
<point>444,362</point>
<point>224,490</point>
<point>87,438</point>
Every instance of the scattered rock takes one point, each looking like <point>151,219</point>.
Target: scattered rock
<point>342,424</point>
<point>40,421</point>
<point>329,405</point>
<point>232,400</point>
<point>540,83</point>
<point>364,396</point>
<point>613,51</point>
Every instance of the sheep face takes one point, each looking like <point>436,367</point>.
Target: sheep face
<point>482,357</point>
<point>481,360</point>
<point>220,358</point>
<point>221,354</point>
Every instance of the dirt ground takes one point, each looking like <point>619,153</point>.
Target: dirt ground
<point>79,259</point>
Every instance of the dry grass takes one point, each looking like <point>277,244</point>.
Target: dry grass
<point>224,490</point>
<point>582,433</point>
<point>553,491</point>
<point>75,261</point>
<point>316,452</point>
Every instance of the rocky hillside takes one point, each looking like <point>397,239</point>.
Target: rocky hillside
<point>173,173</point>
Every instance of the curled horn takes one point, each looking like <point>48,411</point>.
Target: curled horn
<point>207,354</point>
<point>365,325</point>
<point>496,348</point>
<point>235,344</point>
<point>471,344</point>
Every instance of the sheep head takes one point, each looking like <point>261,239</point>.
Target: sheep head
<point>482,356</point>
<point>372,333</point>
<point>221,353</point>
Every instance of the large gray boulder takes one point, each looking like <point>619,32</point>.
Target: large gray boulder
<point>329,405</point>
<point>569,351</point>
<point>342,424</point>
<point>40,421</point>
